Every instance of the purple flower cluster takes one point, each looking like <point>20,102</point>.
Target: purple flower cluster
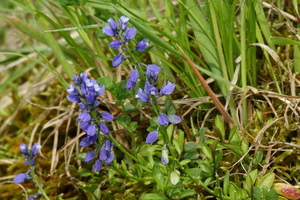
<point>91,120</point>
<point>29,160</point>
<point>149,92</point>
<point>123,35</point>
<point>106,155</point>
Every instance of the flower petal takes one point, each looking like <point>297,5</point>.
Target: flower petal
<point>19,178</point>
<point>97,165</point>
<point>73,98</point>
<point>117,60</point>
<point>142,95</point>
<point>35,148</point>
<point>110,157</point>
<point>89,156</point>
<point>163,120</point>
<point>103,128</point>
<point>142,45</point>
<point>91,130</point>
<point>174,119</point>
<point>167,89</point>
<point>130,33</point>
<point>24,149</point>
<point>107,116</point>
<point>152,137</point>
<point>116,44</point>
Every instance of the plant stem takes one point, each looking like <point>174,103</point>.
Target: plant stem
<point>37,183</point>
<point>122,149</point>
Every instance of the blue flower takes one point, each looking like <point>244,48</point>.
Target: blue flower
<point>142,95</point>
<point>97,165</point>
<point>20,178</point>
<point>103,128</point>
<point>164,120</point>
<point>149,89</point>
<point>91,130</point>
<point>123,22</point>
<point>72,90</point>
<point>99,89</point>
<point>108,145</point>
<point>142,45</point>
<point>152,72</point>
<point>152,137</point>
<point>89,156</point>
<point>88,141</point>
<point>103,153</point>
<point>111,29</point>
<point>79,79</point>
<point>110,157</point>
<point>167,89</point>
<point>106,153</point>
<point>29,154</point>
<point>131,82</point>
<point>84,117</point>
<point>73,98</point>
<point>33,197</point>
<point>174,119</point>
<point>116,44</point>
<point>107,116</point>
<point>130,33</point>
<point>117,60</point>
<point>24,149</point>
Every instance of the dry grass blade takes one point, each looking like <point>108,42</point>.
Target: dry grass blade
<point>216,101</point>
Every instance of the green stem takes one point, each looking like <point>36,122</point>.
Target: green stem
<point>122,149</point>
<point>244,54</point>
<point>37,183</point>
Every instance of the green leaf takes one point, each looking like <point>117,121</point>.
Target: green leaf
<point>90,189</point>
<point>191,155</point>
<point>219,123</point>
<point>283,41</point>
<point>258,158</point>
<point>84,173</point>
<point>256,193</point>
<point>234,136</point>
<point>207,152</point>
<point>120,91</point>
<point>272,195</point>
<point>267,180</point>
<point>185,161</point>
<point>107,81</point>
<point>226,184</point>
<point>187,193</point>
<point>158,177</point>
<point>123,120</point>
<point>191,147</point>
<point>132,126</point>
<point>206,168</point>
<point>154,196</point>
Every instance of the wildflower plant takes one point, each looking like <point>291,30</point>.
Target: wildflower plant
<point>30,174</point>
<point>92,121</point>
<point>149,93</point>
